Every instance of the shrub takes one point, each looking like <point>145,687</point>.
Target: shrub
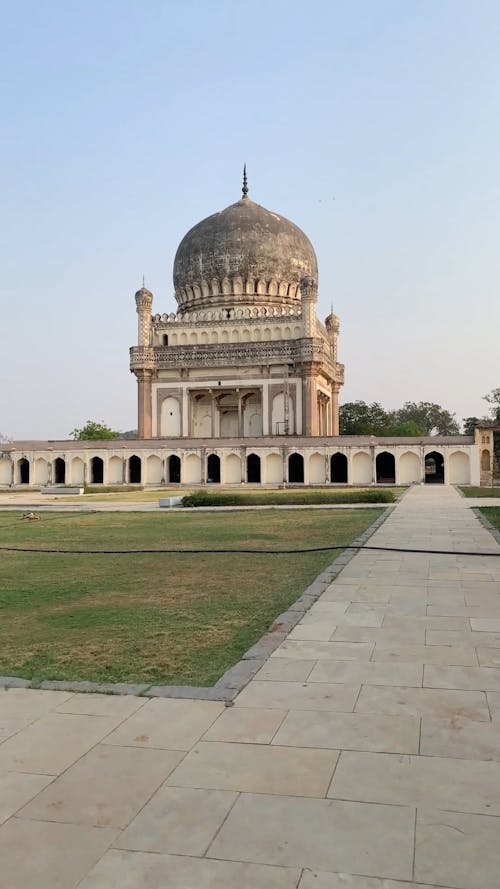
<point>284,498</point>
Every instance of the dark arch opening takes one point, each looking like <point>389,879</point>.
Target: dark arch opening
<point>253,468</point>
<point>434,468</point>
<point>296,469</point>
<point>338,469</point>
<point>60,471</point>
<point>24,471</point>
<point>174,469</point>
<point>96,471</point>
<point>213,469</point>
<point>134,470</point>
<point>386,468</point>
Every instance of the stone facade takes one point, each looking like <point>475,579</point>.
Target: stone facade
<point>272,461</point>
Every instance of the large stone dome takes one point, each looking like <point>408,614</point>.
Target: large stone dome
<point>243,255</point>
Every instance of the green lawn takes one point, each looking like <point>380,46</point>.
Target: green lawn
<point>156,618</point>
<point>480,492</point>
<point>493,514</point>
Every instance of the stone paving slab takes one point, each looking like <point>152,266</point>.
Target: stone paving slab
<point>319,833</point>
<point>52,743</point>
<point>138,870</point>
<point>167,724</point>
<point>380,711</point>
<point>256,768</point>
<point>398,701</point>
<point>178,820</point>
<point>44,855</point>
<point>457,850</point>
<point>457,785</point>
<point>105,788</point>
<point>312,879</point>
<point>349,731</point>
<point>299,696</point>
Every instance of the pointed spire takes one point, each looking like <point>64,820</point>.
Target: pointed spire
<point>245,182</point>
<point>143,281</point>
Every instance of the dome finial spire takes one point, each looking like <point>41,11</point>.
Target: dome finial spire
<point>245,182</point>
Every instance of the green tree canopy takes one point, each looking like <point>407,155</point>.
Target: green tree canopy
<point>432,418</point>
<point>470,424</point>
<point>359,418</point>
<point>493,399</point>
<point>413,419</point>
<point>94,431</point>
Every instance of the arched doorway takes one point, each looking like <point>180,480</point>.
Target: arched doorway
<point>296,469</point>
<point>253,468</point>
<point>59,471</point>
<point>434,468</point>
<point>174,469</point>
<point>24,471</point>
<point>386,468</point>
<point>213,469</point>
<point>338,469</point>
<point>134,470</point>
<point>96,471</point>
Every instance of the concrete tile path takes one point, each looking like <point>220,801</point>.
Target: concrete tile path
<point>365,754</point>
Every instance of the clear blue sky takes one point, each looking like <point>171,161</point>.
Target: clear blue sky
<point>375,126</point>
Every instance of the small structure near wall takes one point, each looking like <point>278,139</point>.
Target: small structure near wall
<point>487,437</point>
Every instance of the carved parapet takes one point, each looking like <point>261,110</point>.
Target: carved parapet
<point>142,358</point>
<point>219,315</point>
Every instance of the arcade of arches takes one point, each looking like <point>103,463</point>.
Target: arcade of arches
<point>132,463</point>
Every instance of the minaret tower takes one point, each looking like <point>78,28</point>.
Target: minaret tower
<point>144,304</point>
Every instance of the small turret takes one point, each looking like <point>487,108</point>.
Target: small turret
<point>309,294</point>
<point>332,324</point>
<point>144,304</point>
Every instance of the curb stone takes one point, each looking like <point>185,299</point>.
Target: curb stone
<point>240,674</point>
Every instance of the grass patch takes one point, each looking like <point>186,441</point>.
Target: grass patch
<point>492,513</point>
<point>111,489</point>
<point>291,497</point>
<point>480,492</point>
<point>168,619</point>
<point>131,496</point>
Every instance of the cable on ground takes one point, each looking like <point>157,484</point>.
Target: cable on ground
<point>252,552</point>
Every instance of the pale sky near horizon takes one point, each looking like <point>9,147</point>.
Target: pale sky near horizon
<point>374,126</point>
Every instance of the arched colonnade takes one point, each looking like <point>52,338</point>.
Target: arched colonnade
<point>272,466</point>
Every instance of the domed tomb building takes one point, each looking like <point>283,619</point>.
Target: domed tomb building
<point>245,354</point>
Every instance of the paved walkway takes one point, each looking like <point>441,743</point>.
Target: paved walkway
<point>368,744</point>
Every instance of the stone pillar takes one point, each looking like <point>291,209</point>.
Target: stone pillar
<point>265,408</point>
<point>335,409</point>
<point>240,416</point>
<point>309,401</point>
<point>144,303</point>
<point>213,416</point>
<point>144,421</point>
<point>185,431</point>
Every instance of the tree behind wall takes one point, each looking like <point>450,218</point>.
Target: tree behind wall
<point>93,431</point>
<point>413,419</point>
